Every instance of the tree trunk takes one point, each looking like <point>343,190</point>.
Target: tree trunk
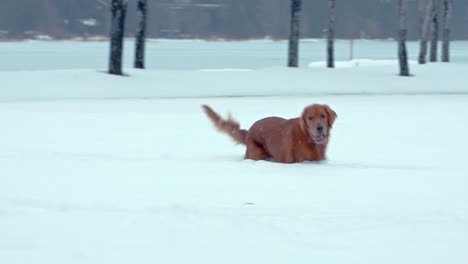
<point>331,34</point>
<point>425,7</point>
<point>141,35</point>
<point>293,53</point>
<point>402,54</point>
<point>118,8</point>
<point>434,29</point>
<point>447,13</point>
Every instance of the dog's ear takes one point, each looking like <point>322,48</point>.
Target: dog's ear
<point>331,115</point>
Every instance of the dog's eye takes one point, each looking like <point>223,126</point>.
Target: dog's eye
<point>311,118</point>
<point>322,116</point>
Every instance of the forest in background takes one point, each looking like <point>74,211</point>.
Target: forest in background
<point>210,19</point>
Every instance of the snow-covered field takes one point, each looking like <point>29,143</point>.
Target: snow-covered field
<point>103,169</point>
<point>193,55</point>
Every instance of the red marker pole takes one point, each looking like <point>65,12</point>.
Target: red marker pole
<point>351,49</point>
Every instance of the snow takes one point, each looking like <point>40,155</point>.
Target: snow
<point>358,63</point>
<point>104,169</point>
<point>196,54</point>
<point>90,22</point>
<point>93,84</point>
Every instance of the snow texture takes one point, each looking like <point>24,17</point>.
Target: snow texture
<point>105,169</point>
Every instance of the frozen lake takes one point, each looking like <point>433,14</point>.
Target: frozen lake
<point>190,55</point>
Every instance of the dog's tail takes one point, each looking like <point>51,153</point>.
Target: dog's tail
<point>229,126</point>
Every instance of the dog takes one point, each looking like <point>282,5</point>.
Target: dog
<point>282,140</point>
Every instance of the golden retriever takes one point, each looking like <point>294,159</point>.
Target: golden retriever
<point>282,140</point>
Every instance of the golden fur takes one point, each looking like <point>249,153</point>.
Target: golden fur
<point>282,140</point>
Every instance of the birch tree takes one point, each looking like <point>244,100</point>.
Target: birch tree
<point>118,10</point>
<point>141,35</point>
<point>402,53</point>
<point>447,14</point>
<point>435,17</point>
<point>425,7</point>
<point>294,32</point>
<point>331,34</point>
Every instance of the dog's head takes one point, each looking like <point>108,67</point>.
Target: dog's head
<point>317,121</point>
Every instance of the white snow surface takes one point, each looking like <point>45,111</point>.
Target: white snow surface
<point>93,84</point>
<point>198,54</point>
<point>104,169</point>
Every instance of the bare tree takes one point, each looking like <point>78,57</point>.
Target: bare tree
<point>118,10</point>
<point>447,14</point>
<point>435,13</point>
<point>402,53</point>
<point>293,47</point>
<point>425,7</point>
<point>141,35</point>
<point>331,34</point>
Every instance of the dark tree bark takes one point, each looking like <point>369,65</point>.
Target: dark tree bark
<point>435,14</point>
<point>425,7</point>
<point>331,34</point>
<point>293,47</point>
<point>447,14</point>
<point>141,35</point>
<point>402,53</point>
<point>118,9</point>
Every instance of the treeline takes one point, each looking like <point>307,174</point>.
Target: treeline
<point>231,19</point>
